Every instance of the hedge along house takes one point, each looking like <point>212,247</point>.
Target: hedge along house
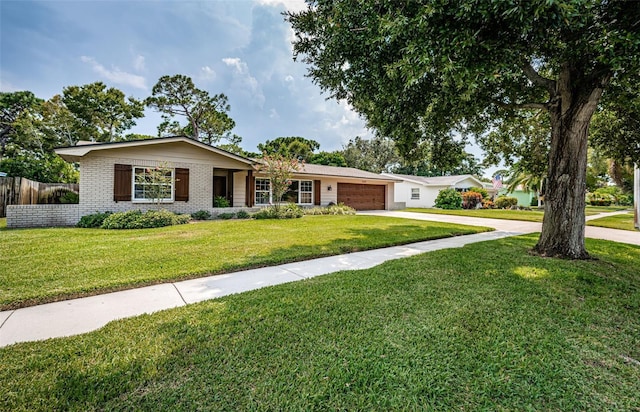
<point>421,191</point>
<point>116,177</point>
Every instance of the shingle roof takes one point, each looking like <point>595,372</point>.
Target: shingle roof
<point>311,169</point>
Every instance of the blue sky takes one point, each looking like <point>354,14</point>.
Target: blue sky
<point>240,48</point>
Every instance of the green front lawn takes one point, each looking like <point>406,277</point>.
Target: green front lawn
<point>534,215</point>
<point>41,265</point>
<point>624,222</point>
<point>484,327</point>
<point>526,215</point>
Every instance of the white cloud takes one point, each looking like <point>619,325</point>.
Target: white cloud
<point>138,63</point>
<point>115,75</point>
<point>207,73</point>
<point>244,78</point>
<point>289,5</point>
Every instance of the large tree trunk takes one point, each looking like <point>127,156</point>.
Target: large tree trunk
<point>564,206</point>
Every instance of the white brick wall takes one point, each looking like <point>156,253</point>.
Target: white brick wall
<point>96,186</point>
<point>42,215</point>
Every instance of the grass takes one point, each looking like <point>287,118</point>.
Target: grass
<point>43,265</point>
<point>526,215</point>
<point>534,215</point>
<point>3,223</point>
<point>446,330</point>
<point>624,222</point>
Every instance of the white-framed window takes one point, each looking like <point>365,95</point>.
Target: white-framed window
<point>415,193</point>
<point>152,184</point>
<point>306,192</point>
<point>300,192</point>
<point>263,191</point>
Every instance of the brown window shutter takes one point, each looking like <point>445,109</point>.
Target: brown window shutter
<point>122,183</point>
<point>316,192</point>
<point>250,189</point>
<point>181,185</point>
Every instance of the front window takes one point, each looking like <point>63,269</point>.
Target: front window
<point>263,191</point>
<point>415,193</point>
<point>299,191</point>
<point>152,184</point>
<point>306,192</point>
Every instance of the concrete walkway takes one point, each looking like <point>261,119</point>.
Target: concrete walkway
<point>72,317</point>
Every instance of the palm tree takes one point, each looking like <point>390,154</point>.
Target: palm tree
<point>530,182</point>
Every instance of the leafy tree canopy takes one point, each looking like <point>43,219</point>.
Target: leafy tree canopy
<point>207,118</point>
<point>12,106</point>
<point>416,70</point>
<point>328,159</point>
<point>295,147</point>
<point>101,114</point>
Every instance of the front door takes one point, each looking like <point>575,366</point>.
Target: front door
<point>220,187</point>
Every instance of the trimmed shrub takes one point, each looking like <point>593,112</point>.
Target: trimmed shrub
<point>284,211</point>
<point>226,216</point>
<point>135,219</point>
<point>625,200</point>
<point>340,209</point>
<point>243,214</point>
<point>505,202</point>
<point>449,199</point>
<point>93,220</point>
<point>488,204</point>
<point>220,201</point>
<point>470,200</point>
<point>481,190</point>
<point>201,215</point>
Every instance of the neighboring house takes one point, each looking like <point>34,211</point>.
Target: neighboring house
<point>113,177</point>
<point>421,191</point>
<point>524,196</point>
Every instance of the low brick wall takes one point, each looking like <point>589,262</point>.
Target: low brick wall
<point>42,215</point>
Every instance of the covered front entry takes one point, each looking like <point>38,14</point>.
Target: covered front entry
<point>361,196</point>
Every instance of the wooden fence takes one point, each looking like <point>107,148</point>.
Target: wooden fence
<point>22,191</point>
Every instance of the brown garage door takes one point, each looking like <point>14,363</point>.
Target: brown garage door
<point>361,197</point>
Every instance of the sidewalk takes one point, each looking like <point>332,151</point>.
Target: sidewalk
<point>72,317</point>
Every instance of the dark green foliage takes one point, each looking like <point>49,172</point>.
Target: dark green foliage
<point>201,215</point>
<point>70,198</point>
<point>93,220</point>
<point>220,201</point>
<point>243,214</point>
<point>136,219</point>
<point>328,159</point>
<point>449,199</point>
<point>505,202</point>
<point>101,114</point>
<point>44,168</point>
<point>283,211</point>
<point>225,216</point>
<point>293,147</point>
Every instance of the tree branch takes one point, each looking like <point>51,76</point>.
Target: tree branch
<point>536,78</point>
<point>537,106</point>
